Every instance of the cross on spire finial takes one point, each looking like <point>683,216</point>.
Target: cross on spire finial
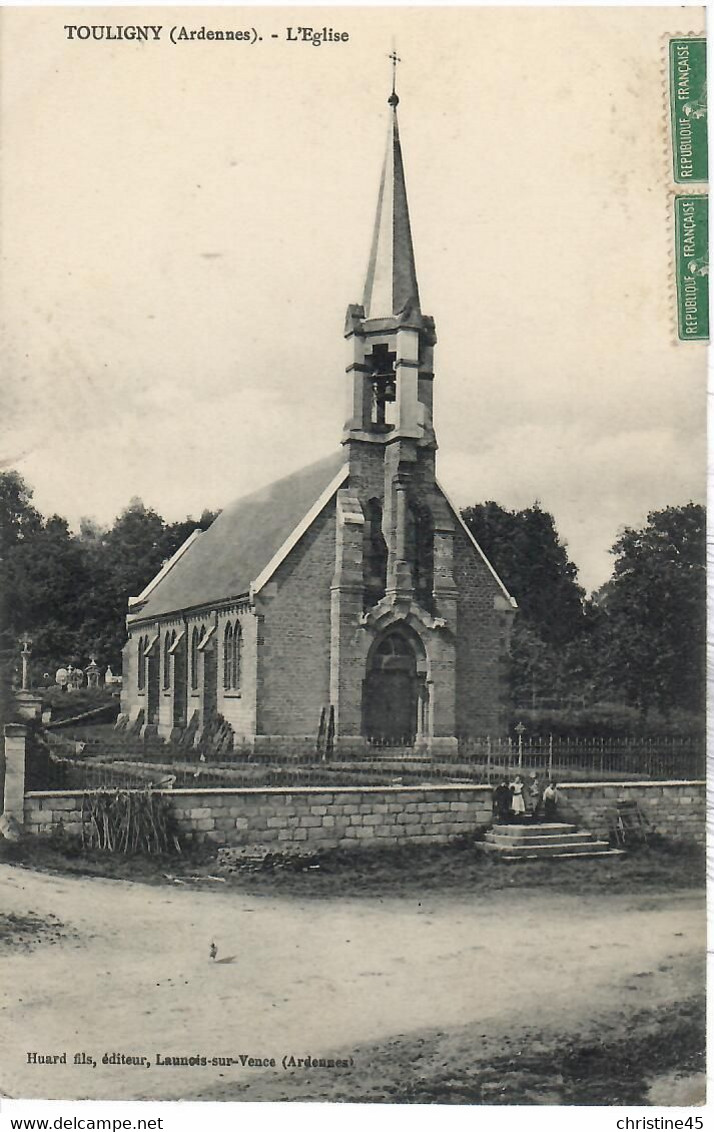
<point>393,99</point>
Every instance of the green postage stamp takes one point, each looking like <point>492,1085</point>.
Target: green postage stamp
<point>691,226</point>
<point>688,103</point>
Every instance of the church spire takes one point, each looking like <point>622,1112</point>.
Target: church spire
<point>390,341</point>
<point>391,286</point>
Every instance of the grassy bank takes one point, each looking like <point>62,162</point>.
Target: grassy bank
<point>393,871</point>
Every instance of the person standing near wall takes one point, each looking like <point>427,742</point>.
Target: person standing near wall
<point>518,805</point>
<point>535,799</point>
<point>502,801</point>
<point>550,801</point>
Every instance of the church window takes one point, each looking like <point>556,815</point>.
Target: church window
<point>232,645</point>
<point>374,555</point>
<point>141,673</point>
<point>169,642</point>
<point>228,657</point>
<point>420,552</point>
<point>194,659</point>
<point>393,645</point>
<point>237,657</point>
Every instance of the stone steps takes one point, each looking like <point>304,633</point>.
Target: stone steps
<point>581,837</point>
<point>524,830</point>
<point>563,856</point>
<point>545,840</point>
<point>545,849</point>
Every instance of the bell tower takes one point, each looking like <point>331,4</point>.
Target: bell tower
<point>390,342</point>
<point>389,429</point>
<point>394,598</point>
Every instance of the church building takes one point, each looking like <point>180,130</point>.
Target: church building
<point>350,591</point>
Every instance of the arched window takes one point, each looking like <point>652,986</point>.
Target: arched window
<point>237,656</point>
<point>167,663</point>
<point>232,645</point>
<point>391,646</point>
<point>195,637</point>
<point>420,551</point>
<point>374,555</point>
<point>141,664</point>
<point>228,657</point>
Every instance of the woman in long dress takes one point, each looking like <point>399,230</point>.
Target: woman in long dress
<point>518,805</point>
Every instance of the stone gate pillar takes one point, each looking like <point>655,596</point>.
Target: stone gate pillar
<point>15,753</point>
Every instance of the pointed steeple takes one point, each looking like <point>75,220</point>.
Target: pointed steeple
<point>390,341</point>
<point>391,286</point>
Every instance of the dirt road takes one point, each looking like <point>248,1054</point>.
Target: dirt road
<point>133,975</point>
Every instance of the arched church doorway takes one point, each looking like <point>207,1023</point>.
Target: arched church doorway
<point>393,693</point>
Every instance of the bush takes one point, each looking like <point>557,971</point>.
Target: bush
<point>65,705</point>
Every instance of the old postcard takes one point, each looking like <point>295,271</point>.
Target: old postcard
<point>353,589</point>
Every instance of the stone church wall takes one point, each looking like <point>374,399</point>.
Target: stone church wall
<point>166,702</point>
<point>129,695</point>
<point>238,706</point>
<point>481,644</point>
<point>380,815</point>
<point>367,472</point>
<point>294,649</point>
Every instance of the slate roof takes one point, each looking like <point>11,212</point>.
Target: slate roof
<point>223,561</point>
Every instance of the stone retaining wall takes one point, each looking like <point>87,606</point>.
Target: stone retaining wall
<point>346,817</point>
<point>350,816</point>
<point>675,809</point>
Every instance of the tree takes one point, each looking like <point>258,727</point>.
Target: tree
<point>121,562</point>
<point>90,531</point>
<point>18,517</point>
<point>655,605</point>
<point>531,667</point>
<point>18,521</point>
<point>526,552</point>
<point>42,577</point>
<point>71,591</point>
<point>176,533</point>
<point>44,581</point>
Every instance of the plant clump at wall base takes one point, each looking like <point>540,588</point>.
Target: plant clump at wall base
<point>128,822</point>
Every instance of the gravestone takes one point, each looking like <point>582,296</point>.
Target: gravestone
<point>92,672</point>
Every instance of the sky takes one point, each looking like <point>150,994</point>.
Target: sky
<point>182,227</point>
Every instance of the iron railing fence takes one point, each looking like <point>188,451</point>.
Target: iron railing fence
<point>94,774</point>
<point>478,760</point>
<point>573,757</point>
<point>88,774</point>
